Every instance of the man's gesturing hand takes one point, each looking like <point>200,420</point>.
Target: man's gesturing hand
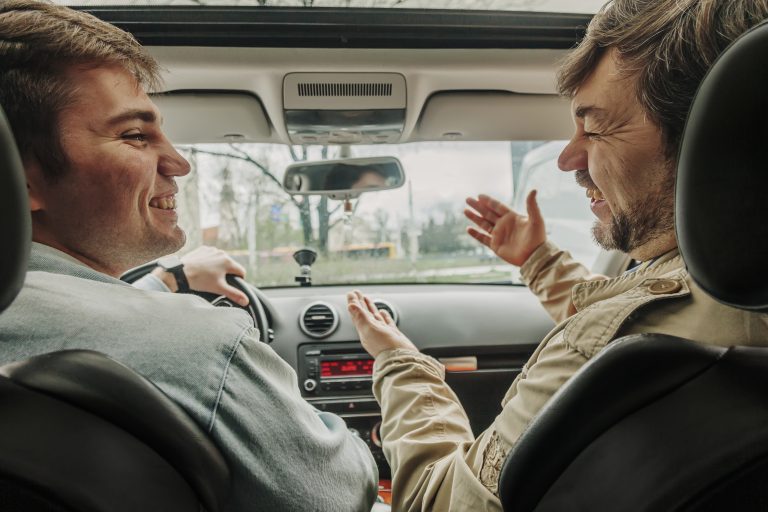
<point>376,329</point>
<point>513,237</point>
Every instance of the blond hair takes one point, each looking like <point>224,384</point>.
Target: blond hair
<point>39,42</point>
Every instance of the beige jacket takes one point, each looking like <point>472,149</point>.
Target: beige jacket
<point>437,464</point>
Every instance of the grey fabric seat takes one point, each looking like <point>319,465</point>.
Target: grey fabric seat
<point>657,423</point>
<point>80,431</point>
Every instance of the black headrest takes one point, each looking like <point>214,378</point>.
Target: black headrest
<point>15,222</point>
<point>722,177</point>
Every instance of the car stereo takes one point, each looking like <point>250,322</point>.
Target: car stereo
<point>335,370</point>
<point>336,377</point>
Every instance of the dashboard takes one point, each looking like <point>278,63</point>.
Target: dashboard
<point>483,334</point>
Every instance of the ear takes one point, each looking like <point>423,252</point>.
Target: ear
<point>36,184</point>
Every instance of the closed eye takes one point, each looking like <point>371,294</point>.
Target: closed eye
<point>135,136</point>
<point>592,135</point>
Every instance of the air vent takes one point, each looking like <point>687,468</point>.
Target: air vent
<point>344,89</point>
<point>388,307</point>
<point>318,320</point>
<point>347,93</point>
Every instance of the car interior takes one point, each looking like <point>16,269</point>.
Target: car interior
<point>269,87</point>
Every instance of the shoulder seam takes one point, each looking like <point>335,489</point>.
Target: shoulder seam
<point>224,376</point>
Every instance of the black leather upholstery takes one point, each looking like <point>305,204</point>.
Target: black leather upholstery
<point>93,383</point>
<point>15,224</point>
<point>641,428</point>
<point>79,431</point>
<point>657,423</point>
<point>722,177</point>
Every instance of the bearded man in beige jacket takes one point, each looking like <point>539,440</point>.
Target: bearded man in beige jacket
<point>631,81</point>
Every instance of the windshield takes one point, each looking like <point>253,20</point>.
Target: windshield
<point>413,234</point>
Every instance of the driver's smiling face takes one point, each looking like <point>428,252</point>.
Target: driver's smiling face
<point>114,206</point>
<point>618,155</point>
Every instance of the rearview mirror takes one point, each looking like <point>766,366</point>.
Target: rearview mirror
<point>344,179</point>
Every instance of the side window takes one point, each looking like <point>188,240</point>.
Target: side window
<point>563,203</point>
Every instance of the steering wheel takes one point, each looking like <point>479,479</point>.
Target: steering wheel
<point>255,307</point>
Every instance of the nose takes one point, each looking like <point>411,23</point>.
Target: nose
<point>573,157</point>
<point>171,163</point>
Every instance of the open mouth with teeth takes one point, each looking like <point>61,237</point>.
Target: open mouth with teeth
<point>595,195</point>
<point>163,203</point>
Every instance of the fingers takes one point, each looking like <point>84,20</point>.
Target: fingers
<point>356,304</point>
<point>363,307</point>
<point>372,308</point>
<point>388,319</point>
<point>480,221</point>
<point>232,293</point>
<point>485,212</point>
<point>495,206</point>
<point>234,267</point>
<point>532,206</point>
<point>480,237</point>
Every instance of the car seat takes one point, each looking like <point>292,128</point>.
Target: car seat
<point>657,423</point>
<point>80,431</point>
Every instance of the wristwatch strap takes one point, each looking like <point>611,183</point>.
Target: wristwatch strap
<point>174,265</point>
<point>181,279</point>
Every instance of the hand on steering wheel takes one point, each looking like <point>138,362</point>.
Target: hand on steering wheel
<point>254,306</point>
<point>253,300</point>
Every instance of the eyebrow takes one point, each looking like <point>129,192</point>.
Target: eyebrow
<point>598,113</point>
<point>146,116</point>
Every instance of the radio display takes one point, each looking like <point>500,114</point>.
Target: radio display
<point>346,368</point>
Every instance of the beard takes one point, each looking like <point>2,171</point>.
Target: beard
<point>645,220</point>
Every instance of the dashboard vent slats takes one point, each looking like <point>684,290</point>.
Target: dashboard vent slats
<point>344,89</point>
<point>319,320</point>
<point>383,304</point>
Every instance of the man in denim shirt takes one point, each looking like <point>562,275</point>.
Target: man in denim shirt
<point>100,175</point>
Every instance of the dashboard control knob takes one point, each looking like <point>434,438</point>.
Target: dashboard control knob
<point>310,385</point>
<point>354,432</point>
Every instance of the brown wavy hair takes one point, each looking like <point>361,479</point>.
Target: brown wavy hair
<point>39,42</point>
<point>666,46</point>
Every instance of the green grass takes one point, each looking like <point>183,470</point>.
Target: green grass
<point>372,270</point>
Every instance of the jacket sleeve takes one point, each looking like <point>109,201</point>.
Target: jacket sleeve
<point>151,283</point>
<point>551,274</point>
<point>437,464</point>
<point>283,453</point>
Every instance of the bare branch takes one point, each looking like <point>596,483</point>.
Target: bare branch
<point>242,155</point>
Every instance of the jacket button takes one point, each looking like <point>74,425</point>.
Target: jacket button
<point>663,286</point>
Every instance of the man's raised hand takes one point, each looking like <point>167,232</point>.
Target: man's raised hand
<point>512,236</point>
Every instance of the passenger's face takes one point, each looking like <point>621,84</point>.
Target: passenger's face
<point>369,179</point>
<point>617,153</point>
<point>114,206</point>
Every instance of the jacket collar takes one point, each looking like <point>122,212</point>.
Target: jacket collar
<point>589,292</point>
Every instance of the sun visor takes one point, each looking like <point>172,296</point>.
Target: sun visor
<point>193,117</point>
<point>344,108</point>
<point>494,115</point>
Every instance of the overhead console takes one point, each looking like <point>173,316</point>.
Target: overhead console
<point>344,108</point>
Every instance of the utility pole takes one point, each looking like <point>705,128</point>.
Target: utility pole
<point>413,231</point>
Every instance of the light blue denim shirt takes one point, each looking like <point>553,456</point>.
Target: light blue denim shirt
<point>283,454</point>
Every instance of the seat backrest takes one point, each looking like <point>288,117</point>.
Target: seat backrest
<point>80,431</point>
<point>15,224</point>
<point>657,423</point>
